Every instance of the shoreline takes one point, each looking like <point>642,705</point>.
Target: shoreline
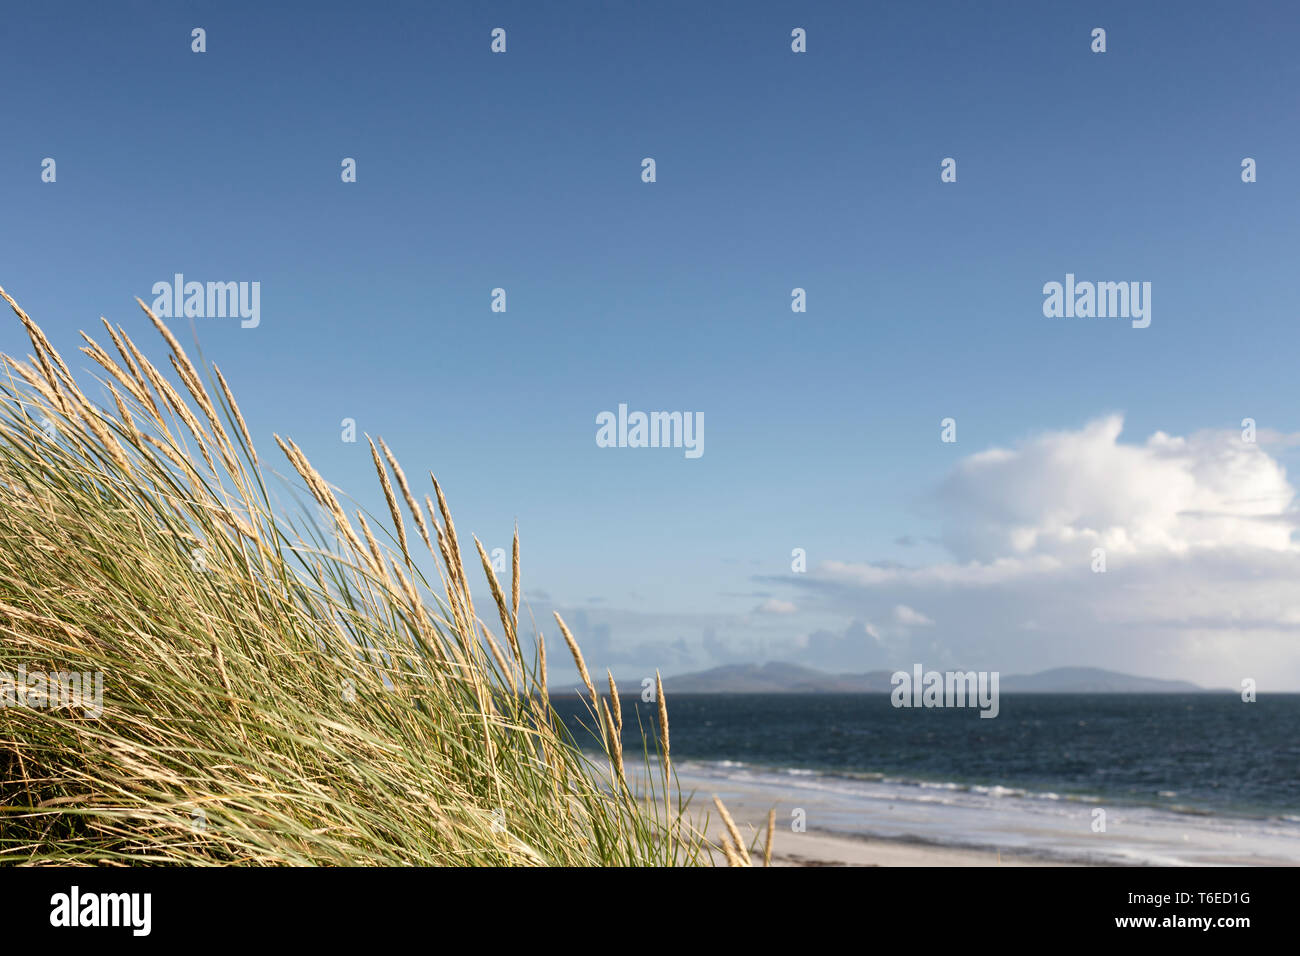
<point>825,823</point>
<point>817,847</point>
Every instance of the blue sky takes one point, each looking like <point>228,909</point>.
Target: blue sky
<point>775,170</point>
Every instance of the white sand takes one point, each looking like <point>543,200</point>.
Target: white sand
<point>818,848</point>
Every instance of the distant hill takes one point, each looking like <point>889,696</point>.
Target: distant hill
<point>1091,680</point>
<point>770,678</point>
<point>781,678</point>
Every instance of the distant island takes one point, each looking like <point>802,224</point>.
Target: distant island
<point>781,678</point>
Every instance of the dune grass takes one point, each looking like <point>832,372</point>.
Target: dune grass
<point>276,691</point>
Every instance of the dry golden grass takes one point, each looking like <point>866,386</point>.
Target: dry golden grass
<point>308,689</point>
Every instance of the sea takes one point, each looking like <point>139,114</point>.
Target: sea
<point>1197,779</point>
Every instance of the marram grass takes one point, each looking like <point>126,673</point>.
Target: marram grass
<point>274,693</point>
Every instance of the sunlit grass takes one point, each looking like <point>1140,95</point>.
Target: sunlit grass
<point>275,690</point>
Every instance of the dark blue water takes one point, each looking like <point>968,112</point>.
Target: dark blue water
<point>1206,753</point>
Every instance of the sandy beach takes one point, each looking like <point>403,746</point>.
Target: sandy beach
<point>827,823</point>
<point>813,847</point>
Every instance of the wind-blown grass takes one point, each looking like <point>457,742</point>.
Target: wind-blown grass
<point>273,693</point>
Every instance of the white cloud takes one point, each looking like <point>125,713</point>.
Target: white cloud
<point>774,606</point>
<point>1202,568</point>
<point>1268,436</point>
<point>972,573</point>
<point>909,617</point>
<point>1064,493</point>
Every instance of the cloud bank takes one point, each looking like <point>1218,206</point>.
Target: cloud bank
<point>1197,536</point>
